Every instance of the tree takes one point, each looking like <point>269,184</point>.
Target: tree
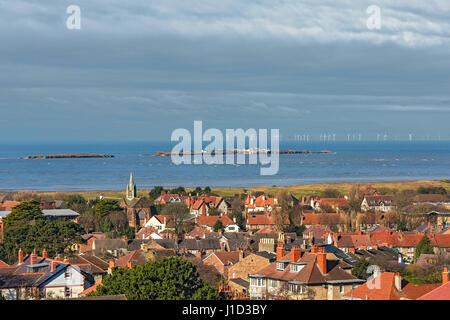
<point>355,198</point>
<point>26,212</point>
<point>104,207</point>
<point>424,246</point>
<point>56,236</point>
<point>155,192</point>
<point>432,190</point>
<point>214,212</point>
<point>207,190</point>
<point>240,220</point>
<point>360,269</point>
<point>170,278</point>
<point>218,226</point>
<point>331,193</point>
<point>178,212</point>
<point>87,220</point>
<point>75,200</point>
<point>179,190</point>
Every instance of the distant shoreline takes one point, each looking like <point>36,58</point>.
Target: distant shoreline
<point>295,189</point>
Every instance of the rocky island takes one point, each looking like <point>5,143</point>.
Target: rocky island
<point>69,156</point>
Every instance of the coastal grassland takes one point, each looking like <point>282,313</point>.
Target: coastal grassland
<point>296,190</point>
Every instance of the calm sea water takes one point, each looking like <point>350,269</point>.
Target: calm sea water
<point>351,161</point>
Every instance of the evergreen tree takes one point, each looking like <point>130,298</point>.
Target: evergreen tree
<point>424,246</point>
<point>170,278</point>
<point>360,269</point>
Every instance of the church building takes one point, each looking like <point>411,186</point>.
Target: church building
<point>137,209</point>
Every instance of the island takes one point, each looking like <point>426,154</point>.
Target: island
<point>69,156</point>
<point>240,151</point>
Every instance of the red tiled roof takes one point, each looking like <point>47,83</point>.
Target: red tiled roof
<point>227,257</point>
<point>3,264</point>
<point>90,289</point>
<point>8,205</point>
<point>440,293</point>
<point>320,218</point>
<point>333,202</point>
<point>386,289</point>
<point>210,221</point>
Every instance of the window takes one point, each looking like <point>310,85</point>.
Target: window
<point>296,267</point>
<point>258,282</point>
<point>273,283</point>
<point>67,274</point>
<point>67,291</point>
<point>281,265</point>
<point>341,289</point>
<point>297,288</point>
<point>233,276</point>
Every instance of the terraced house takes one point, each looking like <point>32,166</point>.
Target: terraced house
<point>299,275</point>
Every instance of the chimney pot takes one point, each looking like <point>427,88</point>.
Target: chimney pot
<point>20,256</point>
<point>445,276</point>
<point>44,253</point>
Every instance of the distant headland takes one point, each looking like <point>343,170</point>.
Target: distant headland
<point>239,151</point>
<point>69,155</point>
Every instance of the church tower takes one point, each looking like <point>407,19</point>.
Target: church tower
<point>131,188</point>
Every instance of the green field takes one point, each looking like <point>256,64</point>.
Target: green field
<point>296,190</point>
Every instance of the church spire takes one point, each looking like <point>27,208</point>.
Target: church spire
<point>131,188</point>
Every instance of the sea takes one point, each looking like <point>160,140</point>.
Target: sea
<point>348,162</point>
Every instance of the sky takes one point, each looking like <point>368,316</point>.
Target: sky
<point>136,70</point>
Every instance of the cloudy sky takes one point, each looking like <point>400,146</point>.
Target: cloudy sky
<point>138,69</point>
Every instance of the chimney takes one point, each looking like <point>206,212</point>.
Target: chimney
<point>112,264</point>
<point>129,265</point>
<point>322,261</point>
<point>398,281</point>
<point>280,250</point>
<point>445,276</point>
<point>241,255</point>
<point>52,266</point>
<point>296,253</point>
<point>125,237</point>
<point>20,256</point>
<point>44,253</point>
<point>33,258</point>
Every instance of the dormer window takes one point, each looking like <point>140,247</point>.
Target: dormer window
<point>296,267</point>
<point>281,266</point>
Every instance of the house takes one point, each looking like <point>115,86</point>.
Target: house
<point>433,199</point>
<point>141,256</point>
<point>223,260</point>
<point>302,275</point>
<point>440,218</point>
<point>200,247</point>
<point>208,223</point>
<point>329,204</point>
<point>146,233</point>
<point>325,219</point>
<point>250,264</point>
<point>204,203</point>
<point>389,286</point>
<point>160,223</point>
<point>381,203</point>
<point>262,221</point>
<point>442,292</point>
<point>89,238</point>
<point>34,277</point>
<point>261,203</point>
